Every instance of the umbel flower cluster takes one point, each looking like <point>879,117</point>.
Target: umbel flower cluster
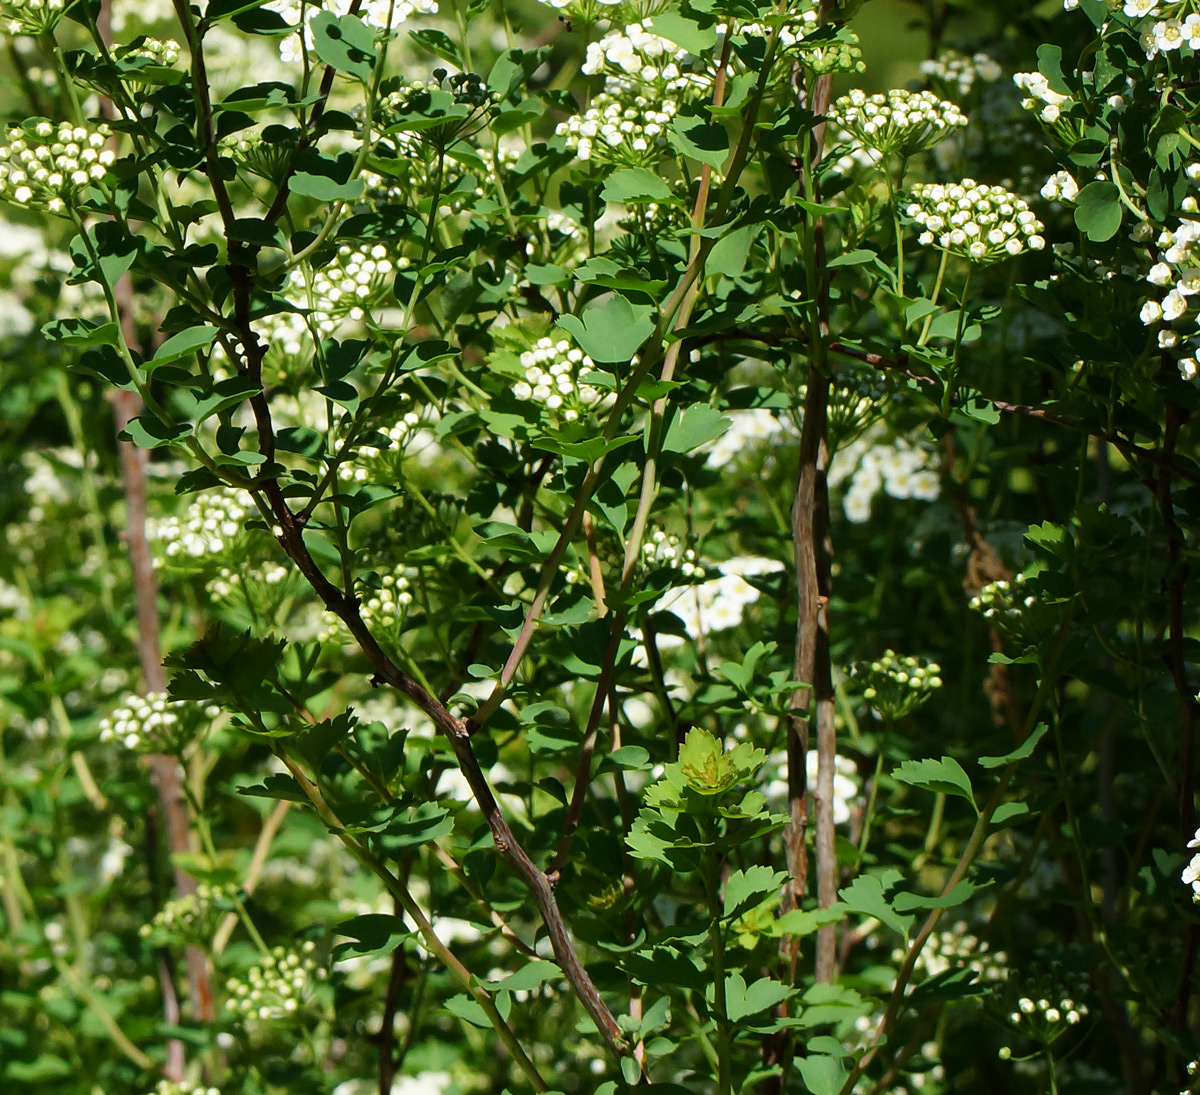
<point>956,948</point>
<point>896,121</point>
<point>978,222</point>
<point>153,723</point>
<point>896,686</point>
<point>958,72</point>
<point>164,53</point>
<point>899,469</point>
<point>383,606</point>
<point>663,549</point>
<point>369,462</point>
<point>208,526</point>
<point>552,378</point>
<point>278,986</point>
<point>637,51</point>
<point>47,165</point>
<point>230,581</point>
<point>1179,28</point>
<point>30,17</point>
<point>1006,604</point>
<point>1191,873</point>
<point>1177,271</point>
<point>1040,97</point>
<point>1043,1019</point>
<point>192,918</point>
<point>623,129</point>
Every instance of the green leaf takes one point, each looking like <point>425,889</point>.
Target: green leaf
<point>182,344</point>
<point>807,921</point>
<point>529,976</point>
<point>685,32</point>
<point>730,253</point>
<point>345,43</point>
<point>907,902</point>
<point>697,425</point>
<point>742,1000</point>
<point>148,432</point>
<point>745,889</point>
<point>317,742</point>
<point>439,43</point>
<point>1025,749</point>
<point>866,895</point>
<point>611,332</point>
<point>945,776</point>
<point>709,769</point>
<point>468,1011</point>
<point>427,822</point>
<point>1098,211</point>
<point>822,1075</point>
<point>323,188</point>
<point>1010,813</point>
<point>371,932</point>
<point>635,184</point>
<point>706,142</point>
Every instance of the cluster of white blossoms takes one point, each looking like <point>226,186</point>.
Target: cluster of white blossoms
<point>956,948</point>
<point>663,549</point>
<point>1177,271</point>
<point>623,129</point>
<point>1044,1019</point>
<point>899,469</point>
<point>1191,873</point>
<point>895,686</point>
<point>278,986</point>
<point>1061,186</point>
<point>346,287</point>
<point>897,120</point>
<point>192,918</point>
<point>381,15</point>
<point>47,165</point>
<point>183,1087</point>
<point>382,607</point>
<point>30,17</point>
<point>716,604</point>
<point>553,378</point>
<point>164,53</point>
<point>229,582</point>
<point>1006,604</point>
<point>753,429</point>
<point>369,462</point>
<point>636,51</point>
<point>791,33</point>
<point>1174,25</point>
<point>846,782</point>
<point>960,71</point>
<point>1040,97</point>
<point>153,723</point>
<point>208,526</point>
<point>979,222</point>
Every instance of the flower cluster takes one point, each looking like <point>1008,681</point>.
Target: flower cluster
<point>897,686</point>
<point>791,34</point>
<point>383,606</point>
<point>380,15</point>
<point>30,17</point>
<point>900,469</point>
<point>1169,34</point>
<point>753,428</point>
<point>278,986</point>
<point>155,724</point>
<point>418,96</point>
<point>209,525</point>
<point>553,371</point>
<point>636,51</point>
<point>164,53</point>
<point>344,288</point>
<point>369,462</point>
<point>716,604</point>
<point>183,1087</point>
<point>265,156</point>
<point>1005,604</point>
<point>230,582</point>
<point>663,549</point>
<point>627,130</point>
<point>47,165</point>
<point>956,71</point>
<point>1177,271</point>
<point>1040,97</point>
<point>896,121</point>
<point>1191,873</point>
<point>192,918</point>
<point>955,948</point>
<point>1061,186</point>
<point>1044,1020</point>
<point>981,223</point>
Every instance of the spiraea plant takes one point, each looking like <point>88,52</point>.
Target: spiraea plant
<point>595,545</point>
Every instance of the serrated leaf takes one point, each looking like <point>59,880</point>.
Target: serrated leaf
<point>906,902</point>
<point>866,895</point>
<point>742,1000</point>
<point>945,776</point>
<point>746,888</point>
<point>1025,749</point>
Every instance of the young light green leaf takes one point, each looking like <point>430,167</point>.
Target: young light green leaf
<point>746,888</point>
<point>945,776</point>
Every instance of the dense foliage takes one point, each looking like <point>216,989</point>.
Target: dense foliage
<point>636,555</point>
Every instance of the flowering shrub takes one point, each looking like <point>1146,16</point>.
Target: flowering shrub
<point>598,545</point>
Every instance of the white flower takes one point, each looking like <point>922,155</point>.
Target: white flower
<point>1160,274</point>
<point>1135,9</point>
<point>1151,312</point>
<point>1174,305</point>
